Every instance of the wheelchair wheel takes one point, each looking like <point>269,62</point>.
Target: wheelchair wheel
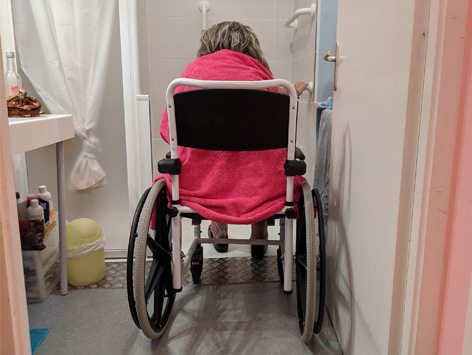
<point>153,286</point>
<point>130,259</point>
<point>322,260</point>
<point>305,263</point>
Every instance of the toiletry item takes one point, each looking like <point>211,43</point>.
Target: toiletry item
<point>21,207</point>
<point>13,81</point>
<point>35,211</point>
<point>30,197</point>
<point>45,200</point>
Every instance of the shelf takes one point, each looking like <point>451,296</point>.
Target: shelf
<point>28,133</point>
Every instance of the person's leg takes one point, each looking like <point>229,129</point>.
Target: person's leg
<point>259,231</point>
<point>219,230</point>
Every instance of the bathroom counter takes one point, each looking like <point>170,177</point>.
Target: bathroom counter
<point>28,133</point>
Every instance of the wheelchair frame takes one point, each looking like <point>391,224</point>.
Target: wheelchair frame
<point>180,261</point>
<point>287,243</point>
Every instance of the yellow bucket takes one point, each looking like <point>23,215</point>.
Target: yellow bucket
<point>85,252</point>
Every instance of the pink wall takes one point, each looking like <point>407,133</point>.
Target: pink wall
<point>458,262</point>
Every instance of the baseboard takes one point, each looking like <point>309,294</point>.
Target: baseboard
<point>115,254</point>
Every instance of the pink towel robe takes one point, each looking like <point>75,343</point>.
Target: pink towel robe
<point>230,187</point>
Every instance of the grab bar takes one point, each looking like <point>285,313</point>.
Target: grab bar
<point>204,7</point>
<point>292,22</point>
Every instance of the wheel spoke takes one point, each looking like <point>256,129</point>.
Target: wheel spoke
<point>157,250</point>
<point>159,294</point>
<point>301,261</point>
<point>155,274</point>
<point>301,279</point>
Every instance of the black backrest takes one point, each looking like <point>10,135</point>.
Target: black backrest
<point>232,119</point>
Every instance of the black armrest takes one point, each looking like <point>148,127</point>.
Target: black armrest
<point>169,166</point>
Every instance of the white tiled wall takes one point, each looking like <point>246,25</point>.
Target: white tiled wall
<point>169,33</point>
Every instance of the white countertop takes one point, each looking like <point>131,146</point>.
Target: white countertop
<point>28,133</point>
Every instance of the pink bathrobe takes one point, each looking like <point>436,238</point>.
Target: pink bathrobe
<point>230,187</point>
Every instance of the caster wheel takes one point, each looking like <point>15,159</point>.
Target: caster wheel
<point>196,265</point>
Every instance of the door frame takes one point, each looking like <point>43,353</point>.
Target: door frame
<point>437,132</point>
<point>14,322</point>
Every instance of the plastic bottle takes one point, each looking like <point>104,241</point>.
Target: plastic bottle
<point>30,197</point>
<point>35,211</point>
<point>13,82</point>
<point>21,207</point>
<point>45,200</point>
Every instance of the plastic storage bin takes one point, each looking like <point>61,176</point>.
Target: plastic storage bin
<point>41,269</point>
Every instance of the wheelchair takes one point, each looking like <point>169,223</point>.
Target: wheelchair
<point>155,262</point>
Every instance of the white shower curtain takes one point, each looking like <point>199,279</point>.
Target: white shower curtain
<point>63,49</point>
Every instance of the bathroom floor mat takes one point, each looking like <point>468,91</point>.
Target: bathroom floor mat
<point>216,271</point>
<point>37,336</point>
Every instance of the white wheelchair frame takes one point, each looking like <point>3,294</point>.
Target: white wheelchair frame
<point>285,243</point>
<point>139,289</point>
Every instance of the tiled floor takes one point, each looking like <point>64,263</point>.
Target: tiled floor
<point>244,318</point>
<point>216,271</point>
<point>250,319</point>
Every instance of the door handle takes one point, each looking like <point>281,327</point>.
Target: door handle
<point>334,59</point>
<point>329,58</point>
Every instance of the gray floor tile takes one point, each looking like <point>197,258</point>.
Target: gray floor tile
<point>224,319</point>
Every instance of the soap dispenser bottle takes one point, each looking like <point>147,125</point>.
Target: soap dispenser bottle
<point>35,211</point>
<point>21,207</point>
<point>45,200</point>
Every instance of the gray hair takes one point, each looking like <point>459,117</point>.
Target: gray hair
<point>234,36</point>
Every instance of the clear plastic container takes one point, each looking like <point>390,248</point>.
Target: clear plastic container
<point>41,269</point>
<point>38,290</point>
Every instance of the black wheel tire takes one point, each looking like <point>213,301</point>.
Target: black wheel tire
<point>130,258</point>
<point>322,271</point>
<point>153,287</point>
<point>305,264</point>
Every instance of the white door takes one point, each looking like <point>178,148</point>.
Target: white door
<point>367,159</point>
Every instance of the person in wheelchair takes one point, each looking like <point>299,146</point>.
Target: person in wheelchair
<point>231,51</point>
<point>233,161</point>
